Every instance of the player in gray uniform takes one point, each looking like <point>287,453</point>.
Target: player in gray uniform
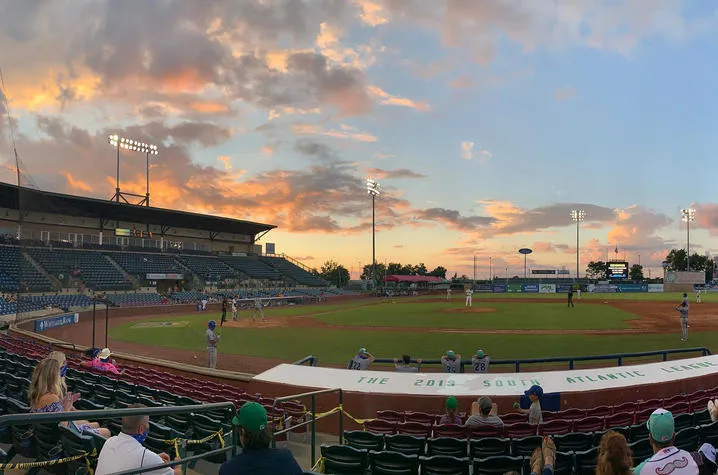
<point>480,362</point>
<point>212,341</point>
<point>683,309</point>
<point>257,309</point>
<point>451,362</point>
<point>684,303</point>
<point>362,360</point>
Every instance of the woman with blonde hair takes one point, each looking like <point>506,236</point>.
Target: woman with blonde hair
<point>47,395</point>
<point>614,455</point>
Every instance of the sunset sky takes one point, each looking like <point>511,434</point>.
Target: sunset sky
<point>486,121</point>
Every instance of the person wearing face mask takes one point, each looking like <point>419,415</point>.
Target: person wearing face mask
<point>257,458</point>
<point>126,452</point>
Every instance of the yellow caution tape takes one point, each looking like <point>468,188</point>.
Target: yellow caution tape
<point>50,463</point>
<point>319,466</point>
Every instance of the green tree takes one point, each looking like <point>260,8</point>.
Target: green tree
<point>596,270</point>
<point>394,268</point>
<point>676,260</point>
<point>380,271</point>
<point>636,272</point>
<point>334,273</point>
<point>420,269</point>
<point>439,271</point>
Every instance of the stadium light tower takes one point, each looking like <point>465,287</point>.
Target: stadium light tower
<point>374,189</point>
<point>133,146</point>
<point>688,215</point>
<point>577,215</point>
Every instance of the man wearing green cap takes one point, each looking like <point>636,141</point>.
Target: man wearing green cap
<point>480,362</point>
<point>666,459</point>
<point>257,458</point>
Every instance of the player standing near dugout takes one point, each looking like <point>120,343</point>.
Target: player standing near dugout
<point>451,362</point>
<point>480,362</point>
<point>362,360</point>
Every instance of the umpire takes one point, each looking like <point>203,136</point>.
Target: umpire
<point>570,297</point>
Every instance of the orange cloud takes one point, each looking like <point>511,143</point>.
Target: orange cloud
<point>388,99</point>
<point>226,161</point>
<point>75,184</point>
<point>208,106</point>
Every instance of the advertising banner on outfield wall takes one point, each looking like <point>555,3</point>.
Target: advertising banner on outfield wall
<point>500,288</point>
<point>655,287</point>
<point>484,288</point>
<point>547,289</point>
<point>603,289</point>
<point>633,287</point>
<point>43,324</point>
<point>563,288</point>
<point>490,384</point>
<point>530,288</point>
<point>515,287</point>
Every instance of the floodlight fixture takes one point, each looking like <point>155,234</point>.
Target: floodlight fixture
<point>131,145</point>
<point>374,189</point>
<point>688,215</point>
<point>577,216</point>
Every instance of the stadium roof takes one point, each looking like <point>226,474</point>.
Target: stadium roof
<point>414,279</point>
<point>69,205</point>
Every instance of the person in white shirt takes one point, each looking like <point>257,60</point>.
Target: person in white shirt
<point>469,294</point>
<point>666,459</point>
<point>126,452</point>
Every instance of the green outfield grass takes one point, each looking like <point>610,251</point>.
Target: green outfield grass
<point>426,338</point>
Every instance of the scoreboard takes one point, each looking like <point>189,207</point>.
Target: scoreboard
<point>617,270</point>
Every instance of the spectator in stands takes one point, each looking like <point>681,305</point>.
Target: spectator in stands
<point>212,342</point>
<point>484,413</point>
<point>362,360</point>
<point>405,366</point>
<point>705,458</point>
<point>544,457</point>
<point>451,416</point>
<point>59,356</point>
<point>257,458</point>
<point>47,394</point>
<point>102,362</point>
<point>451,362</point>
<point>661,434</point>
<point>535,393</point>
<point>480,362</point>
<point>614,455</point>
<point>126,452</point>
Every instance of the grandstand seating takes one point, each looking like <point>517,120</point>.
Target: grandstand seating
<point>139,265</point>
<point>208,268</point>
<point>294,272</point>
<point>15,268</point>
<point>137,299</point>
<point>94,269</point>
<point>252,267</point>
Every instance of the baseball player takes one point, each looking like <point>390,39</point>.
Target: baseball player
<point>469,294</point>
<point>685,302</point>
<point>451,362</point>
<point>362,360</point>
<point>224,311</point>
<point>698,295</point>
<point>578,293</point>
<point>570,298</point>
<point>683,309</point>
<point>448,294</point>
<point>480,362</point>
<point>234,309</point>
<point>212,341</point>
<point>257,309</point>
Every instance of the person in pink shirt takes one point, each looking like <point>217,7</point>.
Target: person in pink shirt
<point>102,362</point>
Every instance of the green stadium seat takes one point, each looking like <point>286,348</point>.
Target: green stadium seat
<point>444,465</point>
<point>405,444</point>
<point>364,440</point>
<point>498,464</point>
<point>344,460</point>
<point>393,463</point>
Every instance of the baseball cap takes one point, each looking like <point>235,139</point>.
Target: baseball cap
<point>450,354</point>
<point>362,351</point>
<point>480,353</point>
<point>535,389</point>
<point>252,416</point>
<point>212,323</point>
<point>104,354</point>
<point>709,452</point>
<point>661,426</point>
<point>451,402</point>
<point>485,403</point>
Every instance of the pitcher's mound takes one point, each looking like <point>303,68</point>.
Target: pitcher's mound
<point>470,310</point>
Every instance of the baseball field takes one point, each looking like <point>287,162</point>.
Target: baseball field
<point>505,326</point>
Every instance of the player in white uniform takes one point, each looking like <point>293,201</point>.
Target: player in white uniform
<point>480,362</point>
<point>362,360</point>
<point>698,295</point>
<point>234,309</point>
<point>212,341</point>
<point>469,294</point>
<point>451,362</point>
<point>448,294</point>
<point>666,459</point>
<point>257,309</point>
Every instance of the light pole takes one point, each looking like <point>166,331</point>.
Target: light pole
<point>525,251</point>
<point>134,146</point>
<point>474,270</point>
<point>688,215</point>
<point>374,189</point>
<point>491,275</point>
<point>577,215</point>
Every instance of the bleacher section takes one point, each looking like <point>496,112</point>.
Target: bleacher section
<point>252,267</point>
<point>94,269</point>
<point>14,268</point>
<point>138,299</point>
<point>139,265</point>
<point>294,272</point>
<point>208,268</point>
<point>61,300</point>
<point>9,308</point>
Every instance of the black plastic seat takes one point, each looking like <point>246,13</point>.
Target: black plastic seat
<point>641,450</point>
<point>360,439</point>
<point>574,442</point>
<point>585,462</point>
<point>489,447</point>
<point>405,444</point>
<point>447,446</point>
<point>203,426</point>
<point>444,465</point>
<point>498,464</point>
<point>687,439</point>
<point>525,446</point>
<point>74,443</point>
<point>701,418</point>
<point>709,433</point>
<point>393,463</point>
<point>344,460</point>
<point>637,432</point>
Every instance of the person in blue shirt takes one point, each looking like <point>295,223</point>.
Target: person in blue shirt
<point>257,458</point>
